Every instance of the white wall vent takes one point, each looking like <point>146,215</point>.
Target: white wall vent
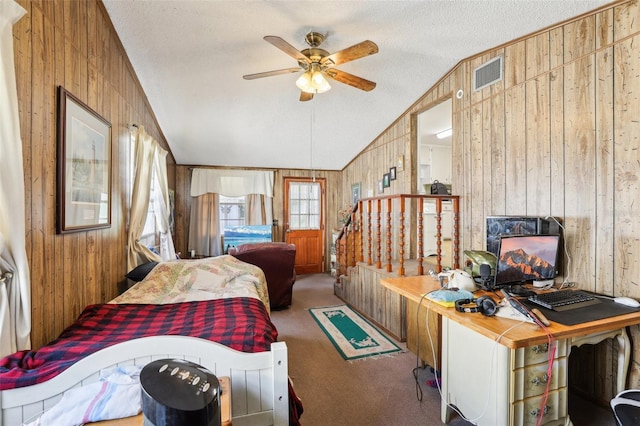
<point>488,73</point>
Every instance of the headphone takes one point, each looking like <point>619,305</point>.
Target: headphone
<point>484,304</point>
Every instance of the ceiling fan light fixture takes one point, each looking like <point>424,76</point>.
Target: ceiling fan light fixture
<point>319,83</point>
<point>313,82</point>
<point>304,82</point>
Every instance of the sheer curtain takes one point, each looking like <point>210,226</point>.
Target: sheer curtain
<point>15,294</point>
<point>204,231</point>
<point>144,152</point>
<point>162,206</point>
<point>259,209</point>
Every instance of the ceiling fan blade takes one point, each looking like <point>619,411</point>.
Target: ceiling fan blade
<point>352,53</point>
<point>304,96</point>
<point>270,73</point>
<point>350,79</point>
<point>287,48</point>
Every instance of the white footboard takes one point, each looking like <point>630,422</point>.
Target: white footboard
<point>259,381</point>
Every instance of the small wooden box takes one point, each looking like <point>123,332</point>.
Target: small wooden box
<point>225,409</point>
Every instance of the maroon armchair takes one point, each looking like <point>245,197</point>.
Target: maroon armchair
<point>277,261</point>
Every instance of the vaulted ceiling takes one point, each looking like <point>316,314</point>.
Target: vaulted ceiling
<point>190,57</point>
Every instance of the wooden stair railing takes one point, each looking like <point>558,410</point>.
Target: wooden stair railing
<point>351,240</point>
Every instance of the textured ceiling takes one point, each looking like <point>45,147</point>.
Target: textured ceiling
<point>190,57</point>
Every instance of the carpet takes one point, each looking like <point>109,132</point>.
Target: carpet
<point>353,336</point>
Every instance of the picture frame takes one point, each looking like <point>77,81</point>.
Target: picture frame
<point>392,173</point>
<point>386,180</point>
<point>400,162</point>
<point>84,166</point>
<point>380,187</point>
<point>355,193</point>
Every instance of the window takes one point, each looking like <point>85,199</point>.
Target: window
<point>304,205</point>
<point>232,212</point>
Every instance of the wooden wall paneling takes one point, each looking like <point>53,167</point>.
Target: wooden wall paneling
<point>537,55</point>
<point>605,173</point>
<point>485,169</point>
<point>604,29</point>
<point>476,190</point>
<point>626,19</point>
<point>579,38</point>
<point>465,189</point>
<point>538,147</point>
<point>476,96</point>
<point>579,148</point>
<point>627,185</point>
<point>71,44</point>
<point>557,123</point>
<point>497,161</point>
<point>515,154</point>
<point>514,64</point>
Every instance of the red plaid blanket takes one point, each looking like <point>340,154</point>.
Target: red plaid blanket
<point>239,323</point>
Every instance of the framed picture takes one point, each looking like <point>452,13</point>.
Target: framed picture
<point>380,187</point>
<point>84,166</point>
<point>392,173</point>
<point>400,162</point>
<point>355,193</point>
<point>386,180</point>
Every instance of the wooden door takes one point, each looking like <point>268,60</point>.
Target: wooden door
<point>304,222</point>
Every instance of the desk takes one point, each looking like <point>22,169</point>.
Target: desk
<point>508,387</point>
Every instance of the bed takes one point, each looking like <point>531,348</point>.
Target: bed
<point>214,312</point>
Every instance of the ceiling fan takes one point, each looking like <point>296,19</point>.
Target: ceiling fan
<point>317,64</point>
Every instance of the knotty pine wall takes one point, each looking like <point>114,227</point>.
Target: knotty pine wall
<point>73,44</point>
<point>558,136</point>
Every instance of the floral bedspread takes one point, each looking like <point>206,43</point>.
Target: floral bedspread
<point>195,280</point>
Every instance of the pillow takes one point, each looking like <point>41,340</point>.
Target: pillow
<point>139,272</point>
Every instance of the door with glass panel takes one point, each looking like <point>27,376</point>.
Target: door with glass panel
<point>304,222</point>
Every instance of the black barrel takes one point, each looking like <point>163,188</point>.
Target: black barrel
<point>176,392</point>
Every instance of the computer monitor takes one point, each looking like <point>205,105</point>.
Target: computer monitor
<point>526,258</point>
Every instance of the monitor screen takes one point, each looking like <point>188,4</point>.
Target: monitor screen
<point>523,258</point>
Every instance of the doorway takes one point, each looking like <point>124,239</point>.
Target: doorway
<point>304,222</point>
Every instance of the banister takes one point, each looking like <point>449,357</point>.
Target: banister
<point>351,239</point>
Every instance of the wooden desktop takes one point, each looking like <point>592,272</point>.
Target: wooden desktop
<point>494,369</point>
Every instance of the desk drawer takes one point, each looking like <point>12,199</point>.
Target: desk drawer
<point>556,409</point>
<point>532,380</point>
<point>538,353</point>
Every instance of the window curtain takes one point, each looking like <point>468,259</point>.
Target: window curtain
<point>144,152</point>
<point>231,183</point>
<point>204,228</point>
<point>206,184</point>
<point>162,206</point>
<point>259,209</point>
<point>15,294</point>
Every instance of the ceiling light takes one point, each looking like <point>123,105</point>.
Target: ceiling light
<point>444,134</point>
<point>304,82</point>
<point>312,81</point>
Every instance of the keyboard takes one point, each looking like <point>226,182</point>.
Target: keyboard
<point>564,300</point>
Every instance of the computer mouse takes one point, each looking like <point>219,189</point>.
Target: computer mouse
<point>627,301</point>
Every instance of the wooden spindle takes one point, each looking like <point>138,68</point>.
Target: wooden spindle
<point>360,233</point>
<point>438,235</point>
<point>420,236</point>
<point>456,233</point>
<point>401,236</point>
<point>369,261</point>
<point>378,235</point>
<point>389,267</point>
